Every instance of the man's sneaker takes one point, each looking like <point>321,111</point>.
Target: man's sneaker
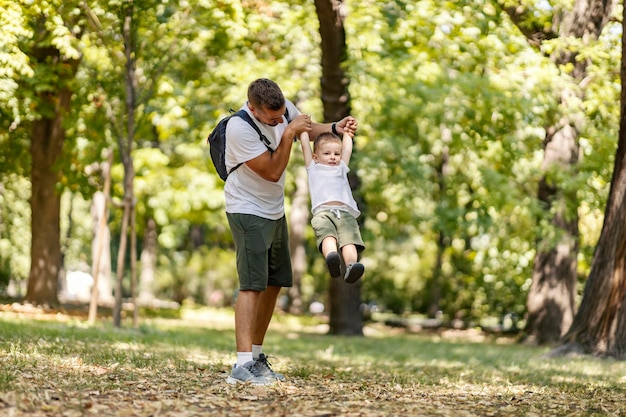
<point>333,261</point>
<point>262,365</point>
<point>248,372</point>
<point>354,272</point>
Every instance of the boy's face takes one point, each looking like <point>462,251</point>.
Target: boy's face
<point>328,153</point>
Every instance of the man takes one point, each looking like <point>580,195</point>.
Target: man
<point>255,211</point>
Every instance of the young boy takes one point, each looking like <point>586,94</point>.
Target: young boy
<point>334,209</point>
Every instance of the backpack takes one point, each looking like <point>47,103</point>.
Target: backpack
<point>217,141</point>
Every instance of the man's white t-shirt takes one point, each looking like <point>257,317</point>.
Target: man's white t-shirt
<point>246,192</point>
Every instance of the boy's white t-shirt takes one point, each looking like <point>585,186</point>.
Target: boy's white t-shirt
<point>330,183</point>
<point>245,191</point>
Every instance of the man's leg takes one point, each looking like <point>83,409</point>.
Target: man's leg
<point>265,311</point>
<point>247,368</point>
<point>245,319</point>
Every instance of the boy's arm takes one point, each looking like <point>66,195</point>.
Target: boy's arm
<point>346,147</point>
<point>306,148</point>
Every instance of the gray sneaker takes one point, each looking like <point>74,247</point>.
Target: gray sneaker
<point>262,365</point>
<point>248,372</point>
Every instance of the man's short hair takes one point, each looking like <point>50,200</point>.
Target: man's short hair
<point>266,94</point>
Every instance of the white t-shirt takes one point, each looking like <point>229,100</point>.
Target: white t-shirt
<point>330,183</point>
<point>246,192</point>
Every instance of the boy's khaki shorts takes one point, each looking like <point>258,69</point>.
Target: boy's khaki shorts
<point>262,247</point>
<point>339,224</point>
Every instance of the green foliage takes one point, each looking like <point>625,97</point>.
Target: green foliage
<point>14,228</point>
<point>441,147</point>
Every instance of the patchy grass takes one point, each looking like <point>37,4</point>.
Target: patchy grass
<point>55,365</point>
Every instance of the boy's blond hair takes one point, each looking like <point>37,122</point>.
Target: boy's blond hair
<point>323,138</point>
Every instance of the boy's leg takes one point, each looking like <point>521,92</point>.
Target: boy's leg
<point>329,244</point>
<point>351,244</point>
<point>349,254</point>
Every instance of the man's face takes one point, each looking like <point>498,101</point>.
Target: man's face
<point>269,117</point>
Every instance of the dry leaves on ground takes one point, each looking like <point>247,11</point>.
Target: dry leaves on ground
<point>101,391</point>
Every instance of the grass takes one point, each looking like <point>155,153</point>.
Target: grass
<point>59,366</point>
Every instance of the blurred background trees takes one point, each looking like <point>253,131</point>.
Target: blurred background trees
<point>454,101</point>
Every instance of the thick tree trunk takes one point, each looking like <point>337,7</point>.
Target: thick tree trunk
<point>600,324</point>
<point>48,136</point>
<point>550,302</point>
<point>334,82</point>
<point>46,146</point>
<point>345,299</point>
<point>551,298</point>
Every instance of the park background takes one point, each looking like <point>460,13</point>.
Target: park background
<point>483,161</point>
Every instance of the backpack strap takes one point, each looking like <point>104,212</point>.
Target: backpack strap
<point>245,116</point>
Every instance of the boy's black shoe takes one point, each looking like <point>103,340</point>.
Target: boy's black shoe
<point>333,262</point>
<point>354,272</point>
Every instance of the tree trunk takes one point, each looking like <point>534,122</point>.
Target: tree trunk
<point>46,144</point>
<point>104,288</point>
<point>600,325</point>
<point>345,299</point>
<point>148,263</point>
<point>298,222</point>
<point>334,82</point>
<point>550,301</point>
<point>436,283</point>
<point>126,146</point>
<point>133,265</point>
<point>46,148</point>
<point>101,244</point>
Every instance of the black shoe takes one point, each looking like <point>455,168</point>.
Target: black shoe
<point>333,261</point>
<point>354,272</point>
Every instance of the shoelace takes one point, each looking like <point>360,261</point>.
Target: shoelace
<point>263,362</point>
<point>253,369</point>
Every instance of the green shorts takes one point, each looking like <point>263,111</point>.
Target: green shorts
<point>339,224</point>
<point>262,247</point>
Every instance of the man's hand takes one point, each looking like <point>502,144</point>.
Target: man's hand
<point>348,123</point>
<point>301,123</point>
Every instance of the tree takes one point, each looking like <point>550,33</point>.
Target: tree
<point>551,299</point>
<point>599,326</point>
<point>54,68</point>
<point>345,299</point>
